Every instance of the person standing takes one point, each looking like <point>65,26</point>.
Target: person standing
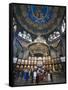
<point>37,78</point>
<point>26,75</point>
<point>34,76</point>
<point>31,75</point>
<point>49,78</point>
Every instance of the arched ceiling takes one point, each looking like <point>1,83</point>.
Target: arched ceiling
<point>38,20</point>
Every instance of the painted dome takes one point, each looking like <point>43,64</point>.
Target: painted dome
<point>38,19</point>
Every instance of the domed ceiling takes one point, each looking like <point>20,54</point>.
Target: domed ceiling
<point>38,20</point>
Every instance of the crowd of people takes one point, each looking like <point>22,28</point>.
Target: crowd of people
<point>34,76</point>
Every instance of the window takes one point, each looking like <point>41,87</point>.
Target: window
<point>20,34</point>
<point>14,25</point>
<point>63,26</point>
<point>54,36</point>
<point>25,36</point>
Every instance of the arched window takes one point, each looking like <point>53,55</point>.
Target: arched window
<point>25,36</point>
<point>14,25</point>
<point>20,34</point>
<point>54,36</point>
<point>63,26</point>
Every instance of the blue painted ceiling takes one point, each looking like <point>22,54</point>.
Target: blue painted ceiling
<point>38,19</point>
<point>40,15</point>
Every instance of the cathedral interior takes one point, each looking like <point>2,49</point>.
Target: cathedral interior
<point>39,40</point>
